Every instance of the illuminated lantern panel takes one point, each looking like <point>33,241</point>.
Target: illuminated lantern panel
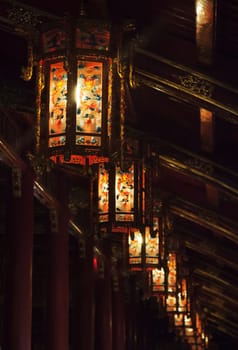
<point>89,103</point>
<point>151,248</point>
<point>103,194</point>
<point>157,283</point>
<point>88,95</point>
<point>188,329</point>
<point>172,273</point>
<point>57,105</point>
<point>124,194</point>
<point>135,242</point>
<point>178,320</point>
<point>171,299</point>
<point>158,280</point>
<point>188,322</point>
<point>78,95</point>
<point>183,303</point>
<point>171,303</point>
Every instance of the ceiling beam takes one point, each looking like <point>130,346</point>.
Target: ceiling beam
<point>184,83</point>
<point>206,218</point>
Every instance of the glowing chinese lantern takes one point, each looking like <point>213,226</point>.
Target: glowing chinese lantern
<point>172,291</point>
<point>121,191</point>
<point>152,245</point>
<point>74,91</point>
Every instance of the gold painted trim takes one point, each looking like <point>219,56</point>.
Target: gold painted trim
<point>186,69</point>
<point>181,167</point>
<point>209,220</point>
<point>152,77</point>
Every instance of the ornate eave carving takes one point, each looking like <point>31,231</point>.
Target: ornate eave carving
<point>185,84</point>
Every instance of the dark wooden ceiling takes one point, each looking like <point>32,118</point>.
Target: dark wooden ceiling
<point>201,186</point>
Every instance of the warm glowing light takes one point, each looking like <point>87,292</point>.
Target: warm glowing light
<point>103,193</point>
<point>178,320</point>
<point>135,242</point>
<point>95,264</point>
<point>205,19</point>
<point>199,10</point>
<point>188,321</point>
<point>158,280</point>
<point>77,94</point>
<point>124,194</point>
<point>151,248</point>
<point>172,275</point>
<point>57,104</point>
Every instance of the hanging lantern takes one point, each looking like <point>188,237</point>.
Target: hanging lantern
<point>126,186</point>
<point>154,242</point>
<point>121,199</point>
<point>155,263</point>
<point>150,249</point>
<point>157,283</point>
<point>143,246</point>
<point>152,245</point>
<point>183,308</point>
<point>117,194</point>
<point>183,297</point>
<point>172,287</point>
<point>74,93</point>
<point>188,328</point>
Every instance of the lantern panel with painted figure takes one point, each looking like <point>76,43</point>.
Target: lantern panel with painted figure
<point>103,194</point>
<point>183,301</point>
<point>172,273</point>
<point>57,104</point>
<point>152,246</point>
<point>135,244</point>
<point>171,303</point>
<point>124,194</point>
<point>89,103</point>
<point>178,320</point>
<point>158,280</point>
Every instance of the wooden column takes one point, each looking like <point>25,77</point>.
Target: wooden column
<point>19,278</point>
<point>83,279</point>
<point>118,311</point>
<point>131,310</point>
<point>83,309</point>
<point>103,299</point>
<point>58,283</point>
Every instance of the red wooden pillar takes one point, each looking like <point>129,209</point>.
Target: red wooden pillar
<point>83,320</point>
<point>118,316</point>
<point>130,328</point>
<point>19,279</point>
<point>83,278</point>
<point>132,334</point>
<point>103,300</point>
<point>58,283</point>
